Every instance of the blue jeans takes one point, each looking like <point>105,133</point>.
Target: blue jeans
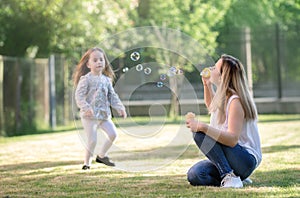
<point>221,160</point>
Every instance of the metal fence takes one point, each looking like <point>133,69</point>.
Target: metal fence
<point>274,58</point>
<point>26,101</point>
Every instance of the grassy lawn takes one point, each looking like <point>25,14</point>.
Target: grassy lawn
<point>49,165</point>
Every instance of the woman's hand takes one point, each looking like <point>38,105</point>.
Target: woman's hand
<point>206,82</point>
<point>196,126</point>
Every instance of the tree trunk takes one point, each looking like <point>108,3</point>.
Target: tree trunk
<point>175,84</point>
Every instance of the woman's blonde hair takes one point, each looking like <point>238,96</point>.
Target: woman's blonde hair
<point>82,69</point>
<point>233,81</point>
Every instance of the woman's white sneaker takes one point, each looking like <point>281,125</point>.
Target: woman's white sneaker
<point>231,181</point>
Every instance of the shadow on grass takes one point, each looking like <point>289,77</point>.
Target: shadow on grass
<point>54,130</point>
<point>173,152</point>
<point>113,183</point>
<point>279,148</point>
<point>43,131</point>
<point>146,123</point>
<point>37,165</point>
<point>279,178</point>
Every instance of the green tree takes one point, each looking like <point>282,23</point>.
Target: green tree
<point>288,18</point>
<point>24,24</point>
<point>262,16</point>
<point>84,24</point>
<point>58,26</point>
<point>194,18</point>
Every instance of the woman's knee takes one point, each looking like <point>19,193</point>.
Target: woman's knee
<point>203,173</point>
<point>192,177</point>
<point>196,177</point>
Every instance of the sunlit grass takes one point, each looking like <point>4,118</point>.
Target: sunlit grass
<point>49,165</point>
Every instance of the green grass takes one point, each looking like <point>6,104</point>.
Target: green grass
<point>49,165</point>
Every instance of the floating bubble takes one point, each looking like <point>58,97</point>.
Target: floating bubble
<point>163,77</point>
<point>159,84</point>
<point>135,56</point>
<point>205,72</point>
<point>172,71</point>
<point>139,67</point>
<point>125,69</point>
<point>179,71</point>
<point>147,71</point>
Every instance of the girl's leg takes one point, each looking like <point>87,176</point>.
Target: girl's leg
<point>90,128</point>
<point>204,173</point>
<point>110,129</point>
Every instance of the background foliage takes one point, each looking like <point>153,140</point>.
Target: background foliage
<point>38,28</point>
<point>32,29</point>
<point>65,26</point>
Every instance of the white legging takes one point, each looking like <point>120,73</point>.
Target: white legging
<point>90,127</point>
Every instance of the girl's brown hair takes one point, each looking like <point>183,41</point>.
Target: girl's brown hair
<point>82,69</point>
<point>233,81</point>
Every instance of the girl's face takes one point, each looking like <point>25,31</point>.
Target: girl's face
<point>215,74</point>
<point>96,62</point>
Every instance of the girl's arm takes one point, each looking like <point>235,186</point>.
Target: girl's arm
<point>235,126</point>
<point>80,95</point>
<point>115,101</point>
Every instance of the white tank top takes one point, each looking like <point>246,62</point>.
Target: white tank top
<point>249,137</point>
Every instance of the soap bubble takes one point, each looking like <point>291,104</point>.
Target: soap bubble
<point>172,71</point>
<point>179,72</point>
<point>135,56</point>
<point>147,70</point>
<point>163,77</point>
<point>159,84</point>
<point>125,69</point>
<point>139,67</point>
